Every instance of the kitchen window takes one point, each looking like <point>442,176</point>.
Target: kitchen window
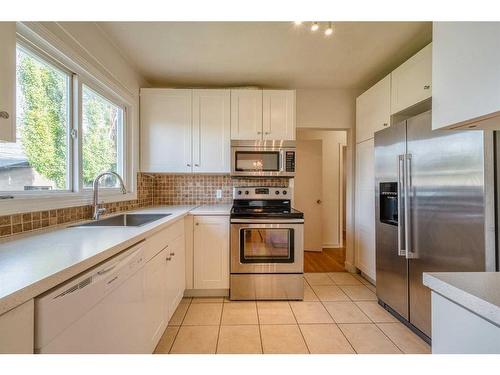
<point>102,138</point>
<point>39,159</point>
<point>70,127</point>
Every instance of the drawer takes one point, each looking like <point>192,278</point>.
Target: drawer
<point>159,240</point>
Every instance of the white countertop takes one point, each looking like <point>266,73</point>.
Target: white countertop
<point>212,209</point>
<point>32,264</point>
<point>478,292</point>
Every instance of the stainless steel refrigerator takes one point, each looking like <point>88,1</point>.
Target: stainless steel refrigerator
<point>432,212</point>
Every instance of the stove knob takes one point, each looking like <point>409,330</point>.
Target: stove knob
<point>284,192</point>
<point>277,192</point>
<point>239,192</point>
<point>247,192</point>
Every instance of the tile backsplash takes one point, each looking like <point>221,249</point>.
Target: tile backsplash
<point>201,189</point>
<point>152,190</point>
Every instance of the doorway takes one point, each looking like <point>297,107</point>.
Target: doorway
<point>319,191</point>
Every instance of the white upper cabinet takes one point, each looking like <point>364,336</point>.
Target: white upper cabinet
<point>211,131</point>
<point>166,130</point>
<point>8,82</point>
<point>278,114</point>
<point>465,73</point>
<point>373,110</point>
<point>412,81</point>
<point>184,131</point>
<point>246,114</point>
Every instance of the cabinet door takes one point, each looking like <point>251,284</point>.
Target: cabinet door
<point>211,131</point>
<point>211,252</point>
<point>278,114</point>
<point>17,330</point>
<point>246,114</point>
<point>176,274</point>
<point>466,83</point>
<point>8,82</point>
<point>166,130</point>
<point>412,81</point>
<point>373,110</point>
<point>155,297</point>
<point>365,208</point>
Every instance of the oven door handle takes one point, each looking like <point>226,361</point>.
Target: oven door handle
<point>268,221</point>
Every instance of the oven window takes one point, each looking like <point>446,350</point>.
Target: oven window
<point>257,161</point>
<point>266,245</point>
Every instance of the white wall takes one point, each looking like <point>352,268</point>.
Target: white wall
<point>332,180</point>
<point>334,109</point>
<point>326,108</point>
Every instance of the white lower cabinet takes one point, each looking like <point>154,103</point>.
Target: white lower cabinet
<point>164,280</point>
<point>155,298</point>
<point>17,330</point>
<point>176,275</point>
<point>211,252</point>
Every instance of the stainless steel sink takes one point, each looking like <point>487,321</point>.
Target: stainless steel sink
<point>125,220</point>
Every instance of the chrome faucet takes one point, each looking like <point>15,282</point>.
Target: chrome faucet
<point>98,211</point>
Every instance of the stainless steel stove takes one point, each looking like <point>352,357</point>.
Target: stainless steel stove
<point>267,245</point>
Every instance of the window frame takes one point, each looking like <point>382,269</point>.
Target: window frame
<point>52,50</point>
<point>123,136</point>
<point>46,59</point>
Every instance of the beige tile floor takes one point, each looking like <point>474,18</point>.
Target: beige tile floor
<point>339,314</point>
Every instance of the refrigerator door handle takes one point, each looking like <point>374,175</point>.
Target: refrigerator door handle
<point>401,199</point>
<point>407,214</point>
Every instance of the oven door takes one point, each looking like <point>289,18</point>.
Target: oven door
<point>261,246</point>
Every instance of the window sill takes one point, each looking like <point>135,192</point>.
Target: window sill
<point>43,202</point>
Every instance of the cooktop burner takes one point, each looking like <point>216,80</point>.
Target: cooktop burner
<point>263,202</point>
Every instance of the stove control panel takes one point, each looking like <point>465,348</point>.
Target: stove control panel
<point>274,192</point>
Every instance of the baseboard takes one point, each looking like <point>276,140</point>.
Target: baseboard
<point>331,246</point>
<point>206,293</point>
<point>350,267</point>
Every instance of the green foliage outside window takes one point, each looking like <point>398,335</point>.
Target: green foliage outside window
<point>44,124</point>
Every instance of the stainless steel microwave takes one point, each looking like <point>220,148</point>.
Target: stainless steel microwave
<point>270,158</point>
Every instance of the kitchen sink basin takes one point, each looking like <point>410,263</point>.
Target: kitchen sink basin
<point>125,220</point>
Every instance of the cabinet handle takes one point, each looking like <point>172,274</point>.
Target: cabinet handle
<point>172,254</point>
<point>188,164</point>
<point>385,124</point>
<point>197,224</point>
<point>259,132</point>
<point>196,165</point>
<point>427,87</point>
<point>266,133</point>
<point>4,115</point>
<point>168,259</point>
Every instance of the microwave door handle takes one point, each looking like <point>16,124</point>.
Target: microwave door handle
<point>400,208</point>
<point>282,161</point>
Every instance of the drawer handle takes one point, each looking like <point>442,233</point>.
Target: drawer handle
<point>4,115</point>
<point>112,280</point>
<point>427,87</point>
<point>385,124</point>
<point>102,272</point>
<point>168,259</point>
<point>259,132</point>
<point>172,254</point>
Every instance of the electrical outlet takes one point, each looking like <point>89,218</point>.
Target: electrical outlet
<point>218,193</point>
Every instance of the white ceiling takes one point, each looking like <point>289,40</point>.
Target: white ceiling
<point>266,54</point>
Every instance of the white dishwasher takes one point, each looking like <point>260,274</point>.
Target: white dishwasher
<point>100,311</point>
